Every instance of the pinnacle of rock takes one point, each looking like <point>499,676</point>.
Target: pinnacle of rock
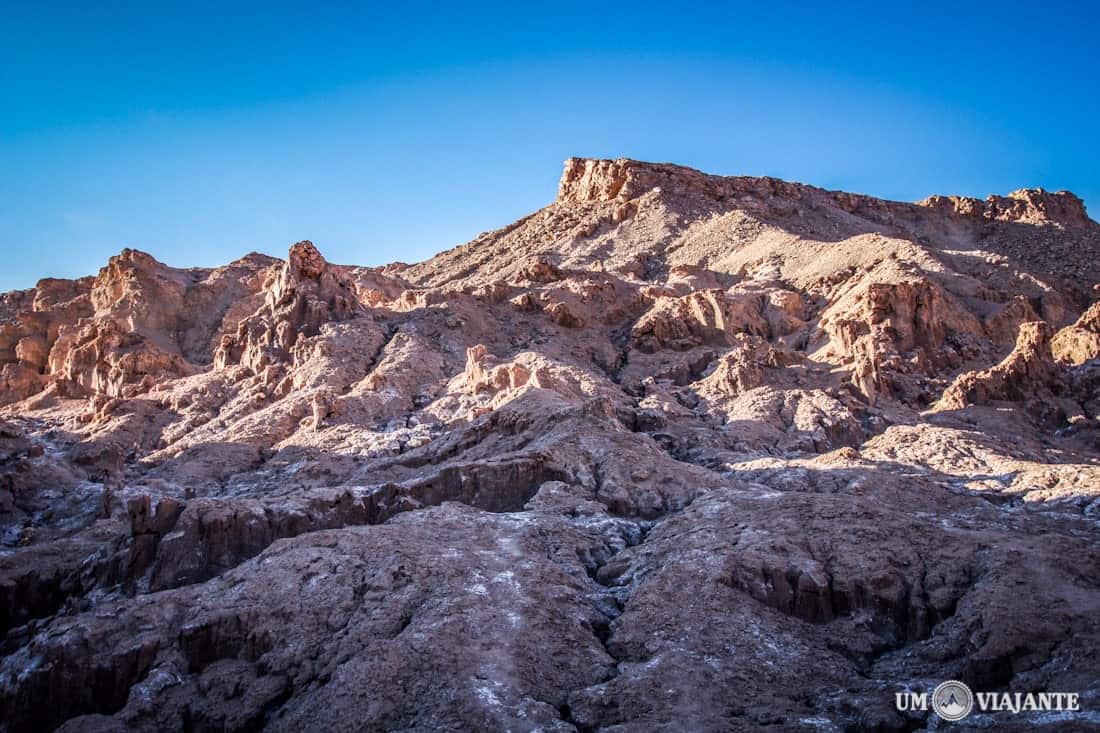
<point>305,261</point>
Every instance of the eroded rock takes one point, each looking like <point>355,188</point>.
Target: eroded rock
<point>657,456</point>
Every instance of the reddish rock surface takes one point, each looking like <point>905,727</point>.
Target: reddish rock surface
<point>676,452</point>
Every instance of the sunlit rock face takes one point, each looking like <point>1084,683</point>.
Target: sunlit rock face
<point>675,452</point>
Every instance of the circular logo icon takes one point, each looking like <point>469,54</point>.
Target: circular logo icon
<point>952,700</point>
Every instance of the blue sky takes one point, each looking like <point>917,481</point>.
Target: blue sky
<point>199,133</point>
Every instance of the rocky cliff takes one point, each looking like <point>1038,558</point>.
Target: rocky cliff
<point>675,452</point>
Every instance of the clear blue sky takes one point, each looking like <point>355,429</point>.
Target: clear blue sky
<point>200,133</point>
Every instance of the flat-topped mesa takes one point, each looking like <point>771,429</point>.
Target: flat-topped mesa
<point>585,179</point>
<point>591,180</point>
<point>1026,205</point>
<point>1034,205</point>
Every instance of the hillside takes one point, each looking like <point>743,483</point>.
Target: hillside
<point>675,452</point>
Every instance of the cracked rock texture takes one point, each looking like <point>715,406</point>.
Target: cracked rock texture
<point>676,452</point>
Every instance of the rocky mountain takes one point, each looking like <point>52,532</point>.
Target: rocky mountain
<point>675,452</point>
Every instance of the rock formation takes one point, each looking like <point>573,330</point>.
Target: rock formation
<point>675,452</point>
<point>1080,342</point>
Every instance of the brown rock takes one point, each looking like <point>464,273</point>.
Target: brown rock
<point>1080,342</point>
<point>1024,374</point>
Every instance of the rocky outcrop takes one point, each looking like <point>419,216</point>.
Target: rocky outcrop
<point>300,297</point>
<point>1025,374</point>
<point>887,330</point>
<point>1080,342</point>
<point>136,323</point>
<point>29,327</point>
<point>750,363</point>
<point>104,357</point>
<point>1027,205</point>
<point>705,317</point>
